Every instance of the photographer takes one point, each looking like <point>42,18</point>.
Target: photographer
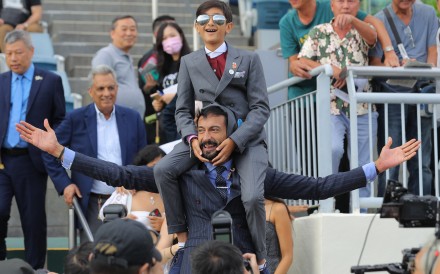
<point>218,257</point>
<point>426,261</point>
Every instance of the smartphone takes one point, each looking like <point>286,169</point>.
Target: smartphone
<point>155,212</point>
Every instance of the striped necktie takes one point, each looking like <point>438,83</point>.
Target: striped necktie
<point>220,183</point>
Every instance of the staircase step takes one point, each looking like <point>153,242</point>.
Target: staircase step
<point>141,16</point>
<point>80,85</point>
<point>124,7</point>
<point>94,37</point>
<point>66,48</point>
<point>62,26</point>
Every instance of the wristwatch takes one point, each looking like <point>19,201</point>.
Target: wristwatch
<point>389,48</point>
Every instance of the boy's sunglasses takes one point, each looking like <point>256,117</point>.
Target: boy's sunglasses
<point>218,19</point>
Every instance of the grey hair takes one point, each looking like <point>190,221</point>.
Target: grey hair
<point>18,35</point>
<point>100,70</point>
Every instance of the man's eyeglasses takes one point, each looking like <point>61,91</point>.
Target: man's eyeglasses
<point>408,33</point>
<point>218,19</point>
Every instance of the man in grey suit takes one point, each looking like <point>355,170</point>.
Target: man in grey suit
<point>198,185</point>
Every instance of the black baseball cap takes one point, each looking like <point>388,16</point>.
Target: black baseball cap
<point>16,266</point>
<point>125,243</point>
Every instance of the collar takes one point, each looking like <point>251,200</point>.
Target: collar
<point>118,50</point>
<point>28,74</point>
<point>100,114</point>
<point>219,51</point>
<point>211,167</point>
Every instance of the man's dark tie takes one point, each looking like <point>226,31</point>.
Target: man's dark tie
<point>220,183</point>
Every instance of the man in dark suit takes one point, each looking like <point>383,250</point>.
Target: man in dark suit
<point>31,94</point>
<point>200,185</point>
<point>102,130</point>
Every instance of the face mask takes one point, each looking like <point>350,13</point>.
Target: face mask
<point>172,45</point>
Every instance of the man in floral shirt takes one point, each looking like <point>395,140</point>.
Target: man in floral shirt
<point>343,42</point>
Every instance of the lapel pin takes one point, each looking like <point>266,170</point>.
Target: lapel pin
<point>38,78</point>
<point>234,65</point>
<point>231,71</point>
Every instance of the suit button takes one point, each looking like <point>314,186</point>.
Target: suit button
<point>201,90</point>
<point>231,105</point>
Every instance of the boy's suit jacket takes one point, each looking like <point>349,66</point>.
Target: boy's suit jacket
<point>79,132</point>
<point>242,89</point>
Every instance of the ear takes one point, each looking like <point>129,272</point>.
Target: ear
<point>144,269</point>
<point>90,92</point>
<point>90,257</point>
<point>229,27</point>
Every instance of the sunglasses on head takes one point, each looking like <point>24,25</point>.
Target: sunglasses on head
<point>218,19</point>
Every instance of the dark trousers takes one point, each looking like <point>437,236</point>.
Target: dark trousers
<point>22,180</point>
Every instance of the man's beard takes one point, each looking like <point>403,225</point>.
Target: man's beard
<point>211,154</point>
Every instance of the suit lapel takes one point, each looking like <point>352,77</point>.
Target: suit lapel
<point>202,64</point>
<point>91,125</point>
<point>35,87</point>
<point>202,180</point>
<point>122,131</point>
<point>5,102</point>
<point>232,57</point>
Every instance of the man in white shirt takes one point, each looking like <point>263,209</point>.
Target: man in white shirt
<point>103,130</point>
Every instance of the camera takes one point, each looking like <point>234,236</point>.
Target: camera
<point>222,226</point>
<point>408,209</point>
<point>114,211</point>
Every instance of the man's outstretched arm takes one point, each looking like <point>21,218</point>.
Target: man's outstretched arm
<point>291,186</point>
<point>131,177</point>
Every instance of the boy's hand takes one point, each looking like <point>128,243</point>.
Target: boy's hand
<point>197,150</point>
<point>226,148</point>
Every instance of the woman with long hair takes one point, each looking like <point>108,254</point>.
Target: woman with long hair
<point>171,45</point>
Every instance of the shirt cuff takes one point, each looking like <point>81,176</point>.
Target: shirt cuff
<point>69,156</point>
<point>189,138</point>
<point>370,171</point>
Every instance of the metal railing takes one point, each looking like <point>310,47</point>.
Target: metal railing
<point>76,208</point>
<point>296,136</point>
<point>294,144</point>
<point>386,99</point>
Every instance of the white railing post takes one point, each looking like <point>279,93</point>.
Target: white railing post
<point>354,201</point>
<point>323,132</point>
